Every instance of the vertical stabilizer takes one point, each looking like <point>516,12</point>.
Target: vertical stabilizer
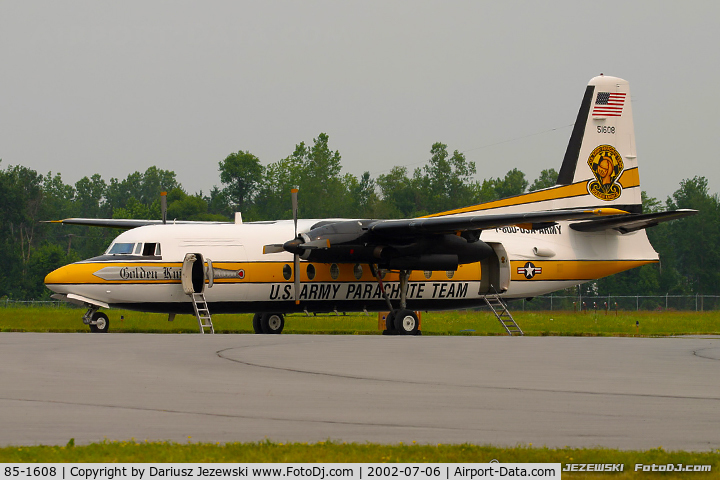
<point>601,152</point>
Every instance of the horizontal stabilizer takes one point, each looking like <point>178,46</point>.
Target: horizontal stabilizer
<point>630,223</point>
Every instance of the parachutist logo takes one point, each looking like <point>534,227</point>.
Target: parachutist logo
<point>529,270</point>
<point>607,166</point>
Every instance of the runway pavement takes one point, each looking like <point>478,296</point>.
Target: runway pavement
<point>615,392</point>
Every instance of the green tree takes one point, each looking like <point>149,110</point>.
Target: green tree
<point>145,188</point>
<point>400,194</point>
<point>218,203</point>
<point>691,245</point>
<point>317,172</point>
<point>241,173</point>
<point>547,179</point>
<point>447,180</point>
<point>90,197</point>
<point>513,184</point>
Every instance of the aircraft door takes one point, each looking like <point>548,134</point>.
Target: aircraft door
<point>193,274</point>
<point>495,277</point>
<point>503,280</point>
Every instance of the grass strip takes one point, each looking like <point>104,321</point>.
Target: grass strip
<point>463,322</point>
<point>336,452</point>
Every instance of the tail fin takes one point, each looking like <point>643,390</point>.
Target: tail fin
<point>600,165</point>
<point>601,152</point>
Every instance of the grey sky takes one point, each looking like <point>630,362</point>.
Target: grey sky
<point>114,87</point>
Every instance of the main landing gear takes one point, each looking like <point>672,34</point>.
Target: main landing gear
<point>97,321</point>
<point>400,321</point>
<point>268,323</point>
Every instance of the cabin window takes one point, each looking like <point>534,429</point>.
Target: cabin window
<point>121,249</point>
<point>138,247</point>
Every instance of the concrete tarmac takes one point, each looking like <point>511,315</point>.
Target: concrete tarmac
<point>556,391</point>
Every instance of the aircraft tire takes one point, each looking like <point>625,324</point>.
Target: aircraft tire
<point>257,324</point>
<point>406,322</point>
<point>390,322</point>
<point>272,323</point>
<point>102,324</point>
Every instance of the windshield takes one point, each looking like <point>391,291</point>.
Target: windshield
<point>121,249</point>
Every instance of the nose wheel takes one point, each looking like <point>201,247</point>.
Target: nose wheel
<point>97,321</point>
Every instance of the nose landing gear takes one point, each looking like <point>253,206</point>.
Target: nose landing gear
<point>97,321</point>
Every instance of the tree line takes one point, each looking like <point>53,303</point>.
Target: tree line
<point>29,249</point>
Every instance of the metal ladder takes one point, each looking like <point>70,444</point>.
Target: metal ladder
<point>499,308</point>
<point>202,313</point>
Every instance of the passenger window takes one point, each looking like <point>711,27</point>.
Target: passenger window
<point>137,248</point>
<point>157,250</point>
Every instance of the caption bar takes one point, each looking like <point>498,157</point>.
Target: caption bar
<point>287,471</point>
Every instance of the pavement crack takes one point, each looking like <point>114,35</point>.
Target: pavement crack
<point>220,353</point>
<point>231,415</point>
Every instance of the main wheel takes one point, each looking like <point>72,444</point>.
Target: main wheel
<point>257,325</point>
<point>406,322</point>
<point>272,323</point>
<point>100,324</point>
<point>390,321</point>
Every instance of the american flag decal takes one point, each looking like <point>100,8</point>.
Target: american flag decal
<point>609,104</point>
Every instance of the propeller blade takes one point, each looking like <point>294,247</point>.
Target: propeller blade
<point>294,196</point>
<point>296,273</point>
<point>315,244</point>
<point>273,248</point>
<point>163,206</point>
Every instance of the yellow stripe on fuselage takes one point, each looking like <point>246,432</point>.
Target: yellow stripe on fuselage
<point>254,272</point>
<point>272,272</point>
<point>580,270</point>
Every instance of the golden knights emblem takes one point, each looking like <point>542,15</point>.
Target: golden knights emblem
<point>607,165</point>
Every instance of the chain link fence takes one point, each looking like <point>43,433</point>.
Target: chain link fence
<point>6,302</point>
<point>697,303</point>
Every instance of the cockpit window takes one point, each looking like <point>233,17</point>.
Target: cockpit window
<point>151,249</point>
<point>144,249</point>
<point>121,249</point>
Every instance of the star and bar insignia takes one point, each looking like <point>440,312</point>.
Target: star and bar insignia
<point>529,270</point>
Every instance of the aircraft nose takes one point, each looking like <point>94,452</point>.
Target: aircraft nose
<point>60,276</point>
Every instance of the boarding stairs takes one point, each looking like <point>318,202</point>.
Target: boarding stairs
<point>499,308</point>
<point>202,313</point>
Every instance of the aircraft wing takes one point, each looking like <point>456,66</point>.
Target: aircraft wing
<point>452,224</point>
<point>632,222</point>
<point>121,222</point>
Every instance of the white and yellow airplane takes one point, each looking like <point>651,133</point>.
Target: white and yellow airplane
<point>589,225</point>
